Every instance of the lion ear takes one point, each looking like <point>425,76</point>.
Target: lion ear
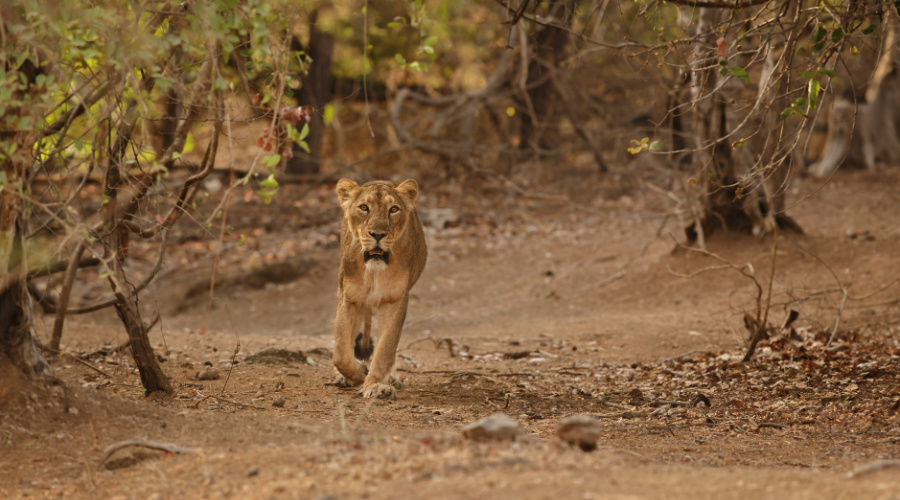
<point>409,188</point>
<point>346,189</point>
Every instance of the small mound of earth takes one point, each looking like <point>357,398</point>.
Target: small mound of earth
<point>275,356</point>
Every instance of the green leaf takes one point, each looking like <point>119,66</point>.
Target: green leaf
<point>393,24</point>
<point>829,73</point>
<point>269,182</point>
<point>304,146</point>
<point>304,131</point>
<point>837,35</point>
<point>740,73</point>
<point>786,113</point>
<point>814,88</point>
<point>270,160</point>
<point>430,41</point>
<point>869,30</point>
<point>807,75</point>
<point>3,180</point>
<point>800,101</point>
<point>79,146</point>
<point>655,146</point>
<point>818,39</point>
<point>189,144</point>
<point>269,188</point>
<point>400,59</point>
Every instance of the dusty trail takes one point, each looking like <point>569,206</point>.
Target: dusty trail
<point>568,313</point>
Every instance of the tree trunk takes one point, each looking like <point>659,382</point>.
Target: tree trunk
<point>17,344</point>
<point>736,194</point>
<point>883,96</point>
<point>115,239</point>
<point>865,132</point>
<point>845,124</point>
<point>316,92</point>
<point>549,44</point>
<point>721,190</point>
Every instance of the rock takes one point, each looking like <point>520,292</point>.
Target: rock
<point>279,402</point>
<point>254,471</point>
<point>499,427</point>
<point>275,356</point>
<point>208,373</point>
<point>580,430</point>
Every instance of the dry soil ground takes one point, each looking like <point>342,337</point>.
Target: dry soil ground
<point>541,309</point>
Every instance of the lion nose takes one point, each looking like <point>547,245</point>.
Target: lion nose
<point>377,236</point>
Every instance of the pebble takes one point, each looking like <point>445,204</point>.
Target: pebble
<point>208,373</point>
<point>279,402</point>
<point>499,427</point>
<point>580,430</point>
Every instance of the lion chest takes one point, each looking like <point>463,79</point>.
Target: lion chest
<point>378,287</point>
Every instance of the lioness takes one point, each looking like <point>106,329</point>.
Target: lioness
<point>382,256</point>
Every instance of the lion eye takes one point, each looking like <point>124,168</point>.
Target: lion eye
<point>364,208</point>
<point>395,210</point>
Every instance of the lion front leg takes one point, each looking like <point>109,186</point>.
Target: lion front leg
<point>346,323</point>
<point>378,382</point>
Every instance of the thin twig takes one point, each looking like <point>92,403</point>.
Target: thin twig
<point>50,307</point>
<point>237,348</point>
<point>844,292</point>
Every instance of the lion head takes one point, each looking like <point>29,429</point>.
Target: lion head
<point>378,214</point>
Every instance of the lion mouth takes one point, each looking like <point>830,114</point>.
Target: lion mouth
<point>376,254</point>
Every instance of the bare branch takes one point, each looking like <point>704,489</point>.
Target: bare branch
<point>64,295</point>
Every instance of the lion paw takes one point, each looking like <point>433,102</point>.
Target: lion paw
<point>380,391</point>
<point>340,380</point>
<point>395,381</point>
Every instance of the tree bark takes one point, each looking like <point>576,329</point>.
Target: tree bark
<point>316,92</point>
<point>741,190</point>
<point>17,344</point>
<point>719,179</point>
<point>115,239</point>
<point>549,45</point>
<point>883,96</point>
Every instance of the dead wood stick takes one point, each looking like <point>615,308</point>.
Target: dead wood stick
<point>235,403</point>
<point>154,445</point>
<point>64,294</point>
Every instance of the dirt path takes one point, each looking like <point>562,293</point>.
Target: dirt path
<point>561,313</point>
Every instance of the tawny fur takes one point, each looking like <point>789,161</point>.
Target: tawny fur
<point>375,209</point>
